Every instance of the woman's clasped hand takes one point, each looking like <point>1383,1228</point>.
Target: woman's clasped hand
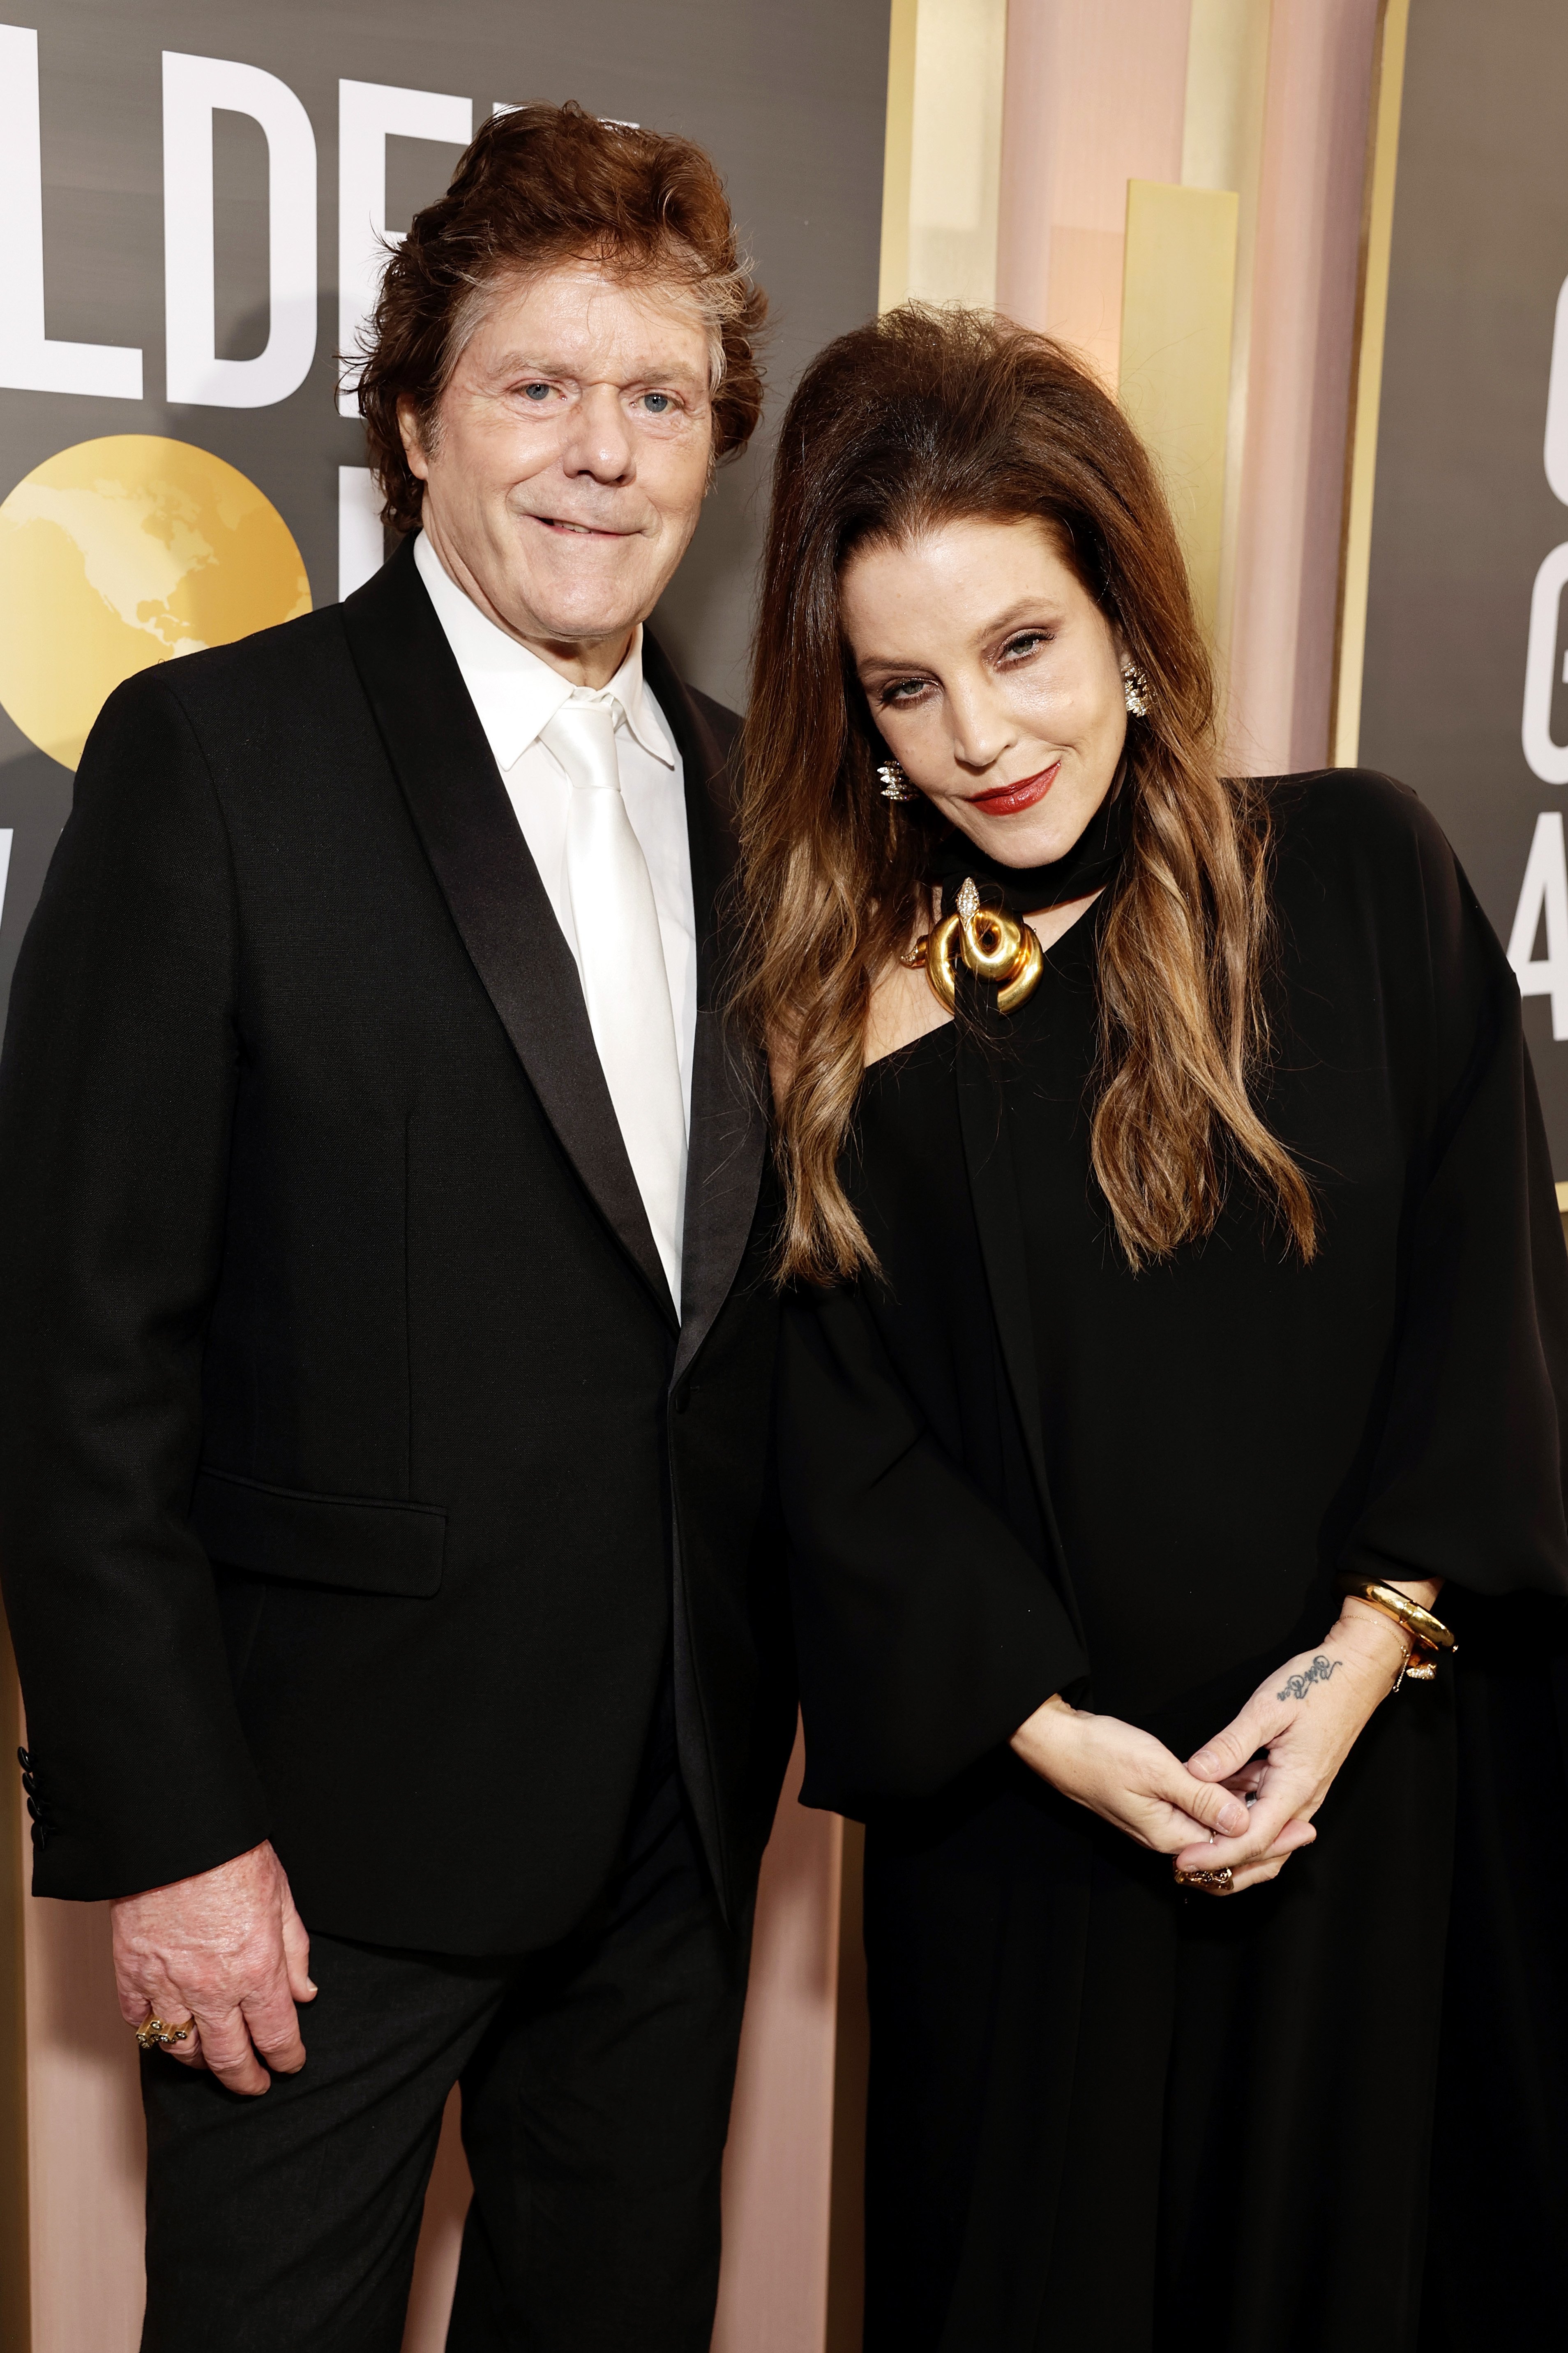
<point>1244,1802</point>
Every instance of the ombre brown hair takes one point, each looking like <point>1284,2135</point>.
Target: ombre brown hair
<point>541,185</point>
<point>915,420</point>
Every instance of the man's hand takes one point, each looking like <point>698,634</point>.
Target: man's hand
<point>227,1951</point>
<point>1126,1777</point>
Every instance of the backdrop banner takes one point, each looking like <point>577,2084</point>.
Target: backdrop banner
<point>191,195</point>
<point>1465,688</point>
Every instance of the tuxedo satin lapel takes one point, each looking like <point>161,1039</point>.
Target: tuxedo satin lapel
<point>729,1125</point>
<point>993,1189</point>
<point>443,761</point>
<point>723,1176</point>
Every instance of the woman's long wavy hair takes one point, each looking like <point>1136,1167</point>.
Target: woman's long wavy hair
<point>920,418</point>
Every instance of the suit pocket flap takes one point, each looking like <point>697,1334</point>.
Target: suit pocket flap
<point>368,1548</point>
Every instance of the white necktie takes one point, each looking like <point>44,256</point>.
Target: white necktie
<point>620,955</point>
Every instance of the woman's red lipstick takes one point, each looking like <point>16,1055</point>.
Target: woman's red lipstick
<point>1006,800</point>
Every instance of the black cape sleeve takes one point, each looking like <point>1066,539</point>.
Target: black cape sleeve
<point>926,1633</point>
<point>1467,1482</point>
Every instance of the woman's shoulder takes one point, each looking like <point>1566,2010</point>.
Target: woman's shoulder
<point>1363,876</point>
<point>1329,825</point>
<point>1355,808</point>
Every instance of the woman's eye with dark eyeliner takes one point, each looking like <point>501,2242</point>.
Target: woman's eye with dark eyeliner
<point>902,690</point>
<point>1025,643</point>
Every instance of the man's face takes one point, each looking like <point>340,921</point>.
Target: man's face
<point>570,461</point>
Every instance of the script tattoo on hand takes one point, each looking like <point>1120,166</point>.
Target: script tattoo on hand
<point>1298,1686</point>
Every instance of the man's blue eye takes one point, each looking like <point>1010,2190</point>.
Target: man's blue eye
<point>536,392</point>
<point>657,402</point>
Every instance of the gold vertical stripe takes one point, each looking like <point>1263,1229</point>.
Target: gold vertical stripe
<point>15,2318</point>
<point>1178,293</point>
<point>897,154</point>
<point>1366,380</point>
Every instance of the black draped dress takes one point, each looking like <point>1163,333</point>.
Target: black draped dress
<point>1325,2115</point>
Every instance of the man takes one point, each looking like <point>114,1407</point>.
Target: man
<point>386,1335</point>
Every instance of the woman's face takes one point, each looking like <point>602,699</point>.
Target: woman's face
<point>994,678</point>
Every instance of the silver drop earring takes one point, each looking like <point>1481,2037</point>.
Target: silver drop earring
<point>895,783</point>
<point>1135,687</point>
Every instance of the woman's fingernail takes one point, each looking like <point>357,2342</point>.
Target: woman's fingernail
<point>1231,1818</point>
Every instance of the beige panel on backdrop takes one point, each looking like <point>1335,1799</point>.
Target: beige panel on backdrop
<point>956,150</point>
<point>943,161</point>
<point>1177,297</point>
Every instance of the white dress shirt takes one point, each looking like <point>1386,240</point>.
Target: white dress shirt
<point>516,694</point>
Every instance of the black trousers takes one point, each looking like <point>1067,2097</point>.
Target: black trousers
<point>595,2079</point>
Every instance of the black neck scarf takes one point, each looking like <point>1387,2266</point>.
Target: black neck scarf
<point>1029,890</point>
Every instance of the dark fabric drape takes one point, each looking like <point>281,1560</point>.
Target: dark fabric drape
<point>1165,2121</point>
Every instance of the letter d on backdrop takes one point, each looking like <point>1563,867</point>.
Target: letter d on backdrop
<point>194,87</point>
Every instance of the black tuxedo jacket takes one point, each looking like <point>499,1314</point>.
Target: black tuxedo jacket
<point>358,1485</point>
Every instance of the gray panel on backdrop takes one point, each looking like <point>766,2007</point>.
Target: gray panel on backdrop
<point>789,101</point>
<point>1464,514</point>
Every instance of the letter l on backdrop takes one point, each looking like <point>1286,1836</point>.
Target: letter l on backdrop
<point>29,361</point>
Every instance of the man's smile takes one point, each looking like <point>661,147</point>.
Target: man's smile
<point>581,529</point>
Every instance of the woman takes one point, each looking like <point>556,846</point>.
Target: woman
<point>1178,1337</point>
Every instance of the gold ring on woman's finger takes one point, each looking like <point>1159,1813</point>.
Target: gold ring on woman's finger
<point>157,2034</point>
<point>1213,1883</point>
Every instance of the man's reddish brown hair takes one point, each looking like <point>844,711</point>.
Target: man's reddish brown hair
<point>538,186</point>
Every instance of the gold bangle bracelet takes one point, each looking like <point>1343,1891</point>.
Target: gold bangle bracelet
<point>1429,1635</point>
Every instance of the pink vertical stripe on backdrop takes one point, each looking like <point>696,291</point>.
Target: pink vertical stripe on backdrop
<point>1303,325</point>
<point>85,2152</point>
<point>1096,96</point>
<point>772,2291</point>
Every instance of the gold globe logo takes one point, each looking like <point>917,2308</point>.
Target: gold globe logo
<point>124,551</point>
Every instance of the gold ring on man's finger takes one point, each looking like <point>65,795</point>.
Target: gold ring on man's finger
<point>1213,1883</point>
<point>157,2034</point>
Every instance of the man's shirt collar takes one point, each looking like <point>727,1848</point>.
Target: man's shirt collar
<point>514,692</point>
